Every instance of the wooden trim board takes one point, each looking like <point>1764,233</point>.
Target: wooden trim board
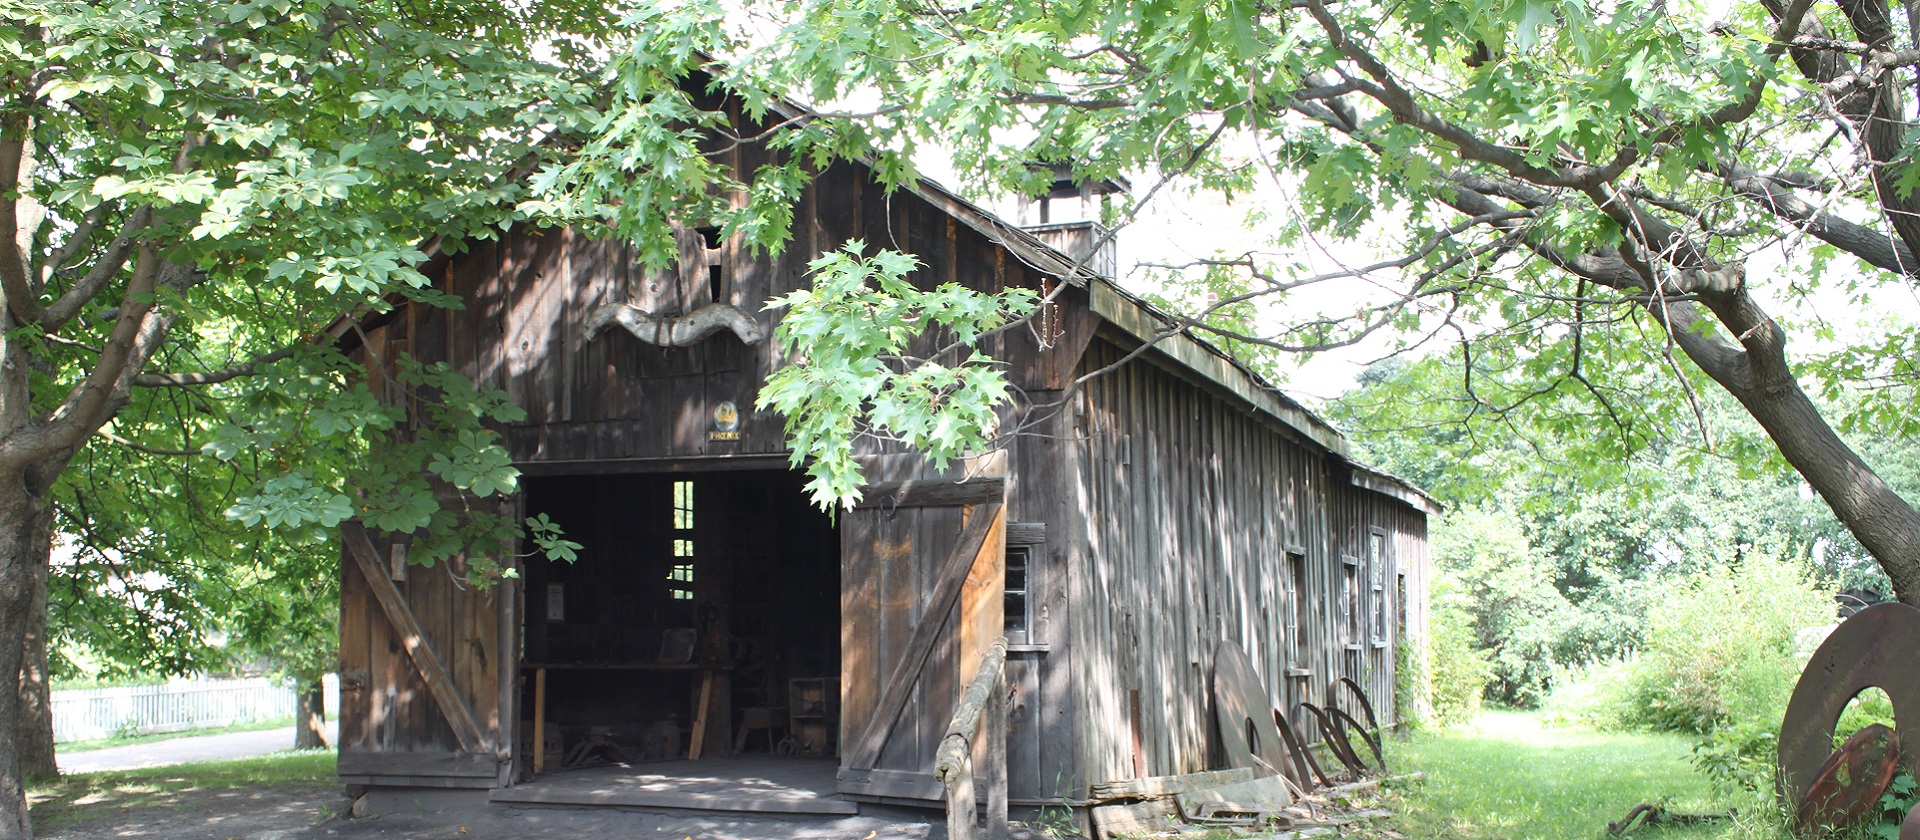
<point>478,765</point>
<point>533,795</point>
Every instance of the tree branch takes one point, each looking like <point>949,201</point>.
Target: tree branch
<point>104,270</point>
<point>136,334</point>
<point>183,380</point>
<point>103,433</point>
<point>1873,247</point>
<point>14,279</point>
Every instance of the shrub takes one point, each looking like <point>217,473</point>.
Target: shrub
<point>1518,619</point>
<point>1458,672</point>
<point>1720,651</point>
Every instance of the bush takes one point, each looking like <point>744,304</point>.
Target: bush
<point>1720,652</point>
<point>1518,619</point>
<point>1458,672</point>
<point>1720,660</point>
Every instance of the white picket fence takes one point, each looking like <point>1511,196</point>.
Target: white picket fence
<point>88,714</point>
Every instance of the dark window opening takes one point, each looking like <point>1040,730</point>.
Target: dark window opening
<point>715,286</point>
<point>1350,601</point>
<point>1019,604</point>
<point>1297,574</point>
<point>1400,603</point>
<point>1377,571</point>
<point>680,574</point>
<point>711,236</point>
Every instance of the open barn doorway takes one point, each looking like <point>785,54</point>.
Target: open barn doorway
<point>690,656</point>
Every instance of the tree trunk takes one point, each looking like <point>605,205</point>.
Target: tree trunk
<point>37,758</point>
<point>310,716</point>
<point>1756,373</point>
<point>1884,523</point>
<point>23,554</point>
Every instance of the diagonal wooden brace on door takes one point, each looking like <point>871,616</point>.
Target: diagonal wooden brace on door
<point>454,707</point>
<point>946,593</point>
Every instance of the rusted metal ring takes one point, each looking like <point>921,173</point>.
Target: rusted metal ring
<point>1333,689</point>
<point>1303,759</point>
<point>1874,648</point>
<point>1336,742</point>
<point>1848,785</point>
<point>1340,715</point>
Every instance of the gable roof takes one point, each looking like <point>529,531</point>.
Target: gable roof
<point>1150,325</point>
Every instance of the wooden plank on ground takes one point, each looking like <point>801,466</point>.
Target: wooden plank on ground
<point>641,798</point>
<point>432,669</point>
<point>1158,786</point>
<point>899,685</point>
<point>1118,819</point>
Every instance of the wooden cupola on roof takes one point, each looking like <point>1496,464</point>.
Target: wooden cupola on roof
<point>1069,217</point>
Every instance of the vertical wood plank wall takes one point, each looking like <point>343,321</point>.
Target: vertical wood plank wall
<point>1191,501</point>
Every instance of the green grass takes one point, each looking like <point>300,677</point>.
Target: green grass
<point>126,740</point>
<point>71,799</point>
<point>1508,776</point>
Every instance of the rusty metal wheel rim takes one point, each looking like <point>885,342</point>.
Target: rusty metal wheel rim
<point>1873,648</point>
<point>1380,759</point>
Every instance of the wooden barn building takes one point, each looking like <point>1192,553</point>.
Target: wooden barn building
<point>1130,526</point>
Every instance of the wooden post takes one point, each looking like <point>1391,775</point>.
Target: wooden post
<point>700,716</point>
<point>985,698</point>
<point>997,760</point>
<point>960,804</point>
<point>539,720</point>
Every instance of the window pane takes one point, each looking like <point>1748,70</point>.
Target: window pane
<point>1016,606</point>
<point>683,505</point>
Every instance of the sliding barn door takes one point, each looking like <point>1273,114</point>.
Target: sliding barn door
<point>923,588</point>
<point>426,671</point>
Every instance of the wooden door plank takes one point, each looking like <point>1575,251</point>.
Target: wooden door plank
<point>983,599</point>
<point>431,668</point>
<point>899,686</point>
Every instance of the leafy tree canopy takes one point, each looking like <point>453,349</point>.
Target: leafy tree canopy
<point>1609,196</point>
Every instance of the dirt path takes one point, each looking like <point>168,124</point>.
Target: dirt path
<point>275,813</point>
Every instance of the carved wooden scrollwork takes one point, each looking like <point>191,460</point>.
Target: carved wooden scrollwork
<point>678,330</point>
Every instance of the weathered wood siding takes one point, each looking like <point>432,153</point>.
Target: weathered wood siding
<point>1168,509</point>
<point>1193,504</point>
<point>616,403</point>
